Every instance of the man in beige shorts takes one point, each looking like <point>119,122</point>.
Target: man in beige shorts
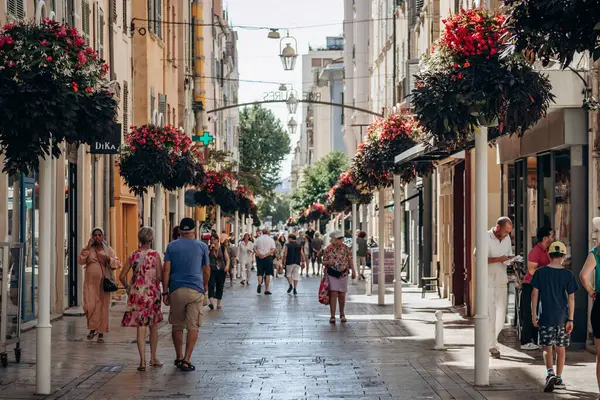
<point>186,273</point>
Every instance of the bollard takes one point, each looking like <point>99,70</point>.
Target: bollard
<point>439,330</point>
<point>369,284</point>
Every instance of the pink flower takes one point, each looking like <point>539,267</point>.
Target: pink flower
<point>49,59</point>
<point>81,58</point>
<point>88,90</point>
<point>44,42</point>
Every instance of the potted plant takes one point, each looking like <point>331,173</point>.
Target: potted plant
<point>158,155</point>
<point>52,89</point>
<point>464,83</point>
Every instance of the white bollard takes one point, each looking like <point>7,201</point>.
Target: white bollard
<point>369,284</point>
<point>439,330</point>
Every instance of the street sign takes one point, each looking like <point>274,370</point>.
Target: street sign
<point>110,143</point>
<point>206,138</point>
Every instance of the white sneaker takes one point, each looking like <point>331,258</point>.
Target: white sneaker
<point>530,346</point>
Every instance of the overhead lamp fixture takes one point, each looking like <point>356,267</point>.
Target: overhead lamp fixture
<point>273,34</point>
<point>292,125</point>
<point>282,87</point>
<point>292,104</point>
<point>288,53</point>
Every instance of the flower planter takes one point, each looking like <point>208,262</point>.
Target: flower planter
<point>464,83</point>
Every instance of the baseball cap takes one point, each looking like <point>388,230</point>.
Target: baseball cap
<point>187,225</point>
<point>557,247</point>
<point>336,235</point>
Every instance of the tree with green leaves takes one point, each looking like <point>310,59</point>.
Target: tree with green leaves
<point>277,206</point>
<point>263,146</point>
<point>317,179</point>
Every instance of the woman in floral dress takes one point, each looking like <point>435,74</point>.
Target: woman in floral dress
<point>337,259</point>
<point>144,295</point>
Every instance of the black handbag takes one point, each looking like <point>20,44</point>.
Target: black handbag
<point>109,285</point>
<point>334,272</point>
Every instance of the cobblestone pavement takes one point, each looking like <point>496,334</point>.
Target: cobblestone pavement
<point>283,347</point>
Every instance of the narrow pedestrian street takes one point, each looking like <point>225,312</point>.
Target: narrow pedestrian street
<point>282,347</point>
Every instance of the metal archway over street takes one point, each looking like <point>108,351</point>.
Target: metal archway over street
<point>326,103</point>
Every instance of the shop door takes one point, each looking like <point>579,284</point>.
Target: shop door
<point>29,236</point>
<point>459,276</point>
<point>72,236</point>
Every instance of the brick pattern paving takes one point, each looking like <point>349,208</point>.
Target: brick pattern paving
<point>282,347</point>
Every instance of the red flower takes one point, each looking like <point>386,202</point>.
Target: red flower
<point>89,90</point>
<point>75,86</point>
<point>49,59</point>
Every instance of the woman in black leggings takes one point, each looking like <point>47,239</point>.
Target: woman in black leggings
<point>219,266</point>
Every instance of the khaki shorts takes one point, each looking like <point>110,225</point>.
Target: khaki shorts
<point>186,309</point>
<point>293,272</point>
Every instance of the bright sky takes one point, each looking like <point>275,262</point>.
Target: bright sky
<point>259,55</point>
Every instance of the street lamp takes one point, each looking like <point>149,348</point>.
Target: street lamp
<point>288,54</point>
<point>282,87</point>
<point>292,125</point>
<point>273,34</point>
<point>292,104</point>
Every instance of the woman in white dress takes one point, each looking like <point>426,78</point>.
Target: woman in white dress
<point>245,256</point>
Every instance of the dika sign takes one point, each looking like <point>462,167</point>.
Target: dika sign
<point>109,144</point>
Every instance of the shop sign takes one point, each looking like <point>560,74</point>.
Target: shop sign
<point>388,265</point>
<point>284,95</point>
<point>109,144</point>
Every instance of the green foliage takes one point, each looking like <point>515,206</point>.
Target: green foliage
<point>277,206</point>
<point>554,29</point>
<point>263,146</point>
<point>318,179</point>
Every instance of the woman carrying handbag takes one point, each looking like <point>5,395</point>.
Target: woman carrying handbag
<point>100,262</point>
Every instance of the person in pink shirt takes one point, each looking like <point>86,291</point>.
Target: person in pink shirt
<point>538,257</point>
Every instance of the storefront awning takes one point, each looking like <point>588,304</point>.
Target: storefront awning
<point>423,153</point>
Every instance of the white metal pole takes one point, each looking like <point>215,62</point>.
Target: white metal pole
<point>158,218</point>
<point>397,247</point>
<point>354,225</point>
<point>236,232</point>
<point>381,273</point>
<point>218,220</point>
<point>482,365</point>
<point>180,206</point>
<point>43,328</point>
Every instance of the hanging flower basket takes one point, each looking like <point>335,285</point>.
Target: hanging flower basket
<point>254,215</point>
<point>155,155</point>
<point>244,198</point>
<point>218,189</point>
<point>344,192</point>
<point>464,83</point>
<point>374,164</point>
<point>52,90</point>
<point>552,30</point>
<point>316,212</point>
<point>292,221</point>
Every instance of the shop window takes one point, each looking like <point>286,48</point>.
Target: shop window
<point>562,199</point>
<point>519,220</point>
<point>546,195</point>
<point>532,202</point>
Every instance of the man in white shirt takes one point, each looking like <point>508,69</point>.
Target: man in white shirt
<point>499,251</point>
<point>264,248</point>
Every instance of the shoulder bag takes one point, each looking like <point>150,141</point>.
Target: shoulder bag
<point>108,283</point>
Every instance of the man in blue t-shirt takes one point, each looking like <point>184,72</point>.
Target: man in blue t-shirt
<point>186,273</point>
<point>555,286</point>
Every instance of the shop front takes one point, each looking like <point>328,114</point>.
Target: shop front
<point>544,184</point>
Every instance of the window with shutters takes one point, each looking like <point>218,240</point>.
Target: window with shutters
<point>158,18</point>
<point>101,33</point>
<point>16,8</point>
<point>152,100</point>
<point>60,10</point>
<point>85,21</point>
<point>113,10</point>
<point>168,33</point>
<point>125,107</point>
<point>151,15</point>
<point>162,107</point>
<point>125,22</point>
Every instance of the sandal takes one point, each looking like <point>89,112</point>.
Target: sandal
<point>142,367</point>
<point>178,363</point>
<point>343,318</point>
<point>156,364</point>
<point>100,338</point>
<point>91,335</point>
<point>332,320</point>
<point>186,366</point>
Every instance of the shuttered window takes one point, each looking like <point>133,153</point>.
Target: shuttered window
<point>101,33</point>
<point>113,10</point>
<point>158,18</point>
<point>85,21</point>
<point>152,100</point>
<point>162,108</point>
<point>60,9</point>
<point>16,8</point>
<point>125,22</point>
<point>151,15</point>
<point>125,107</point>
